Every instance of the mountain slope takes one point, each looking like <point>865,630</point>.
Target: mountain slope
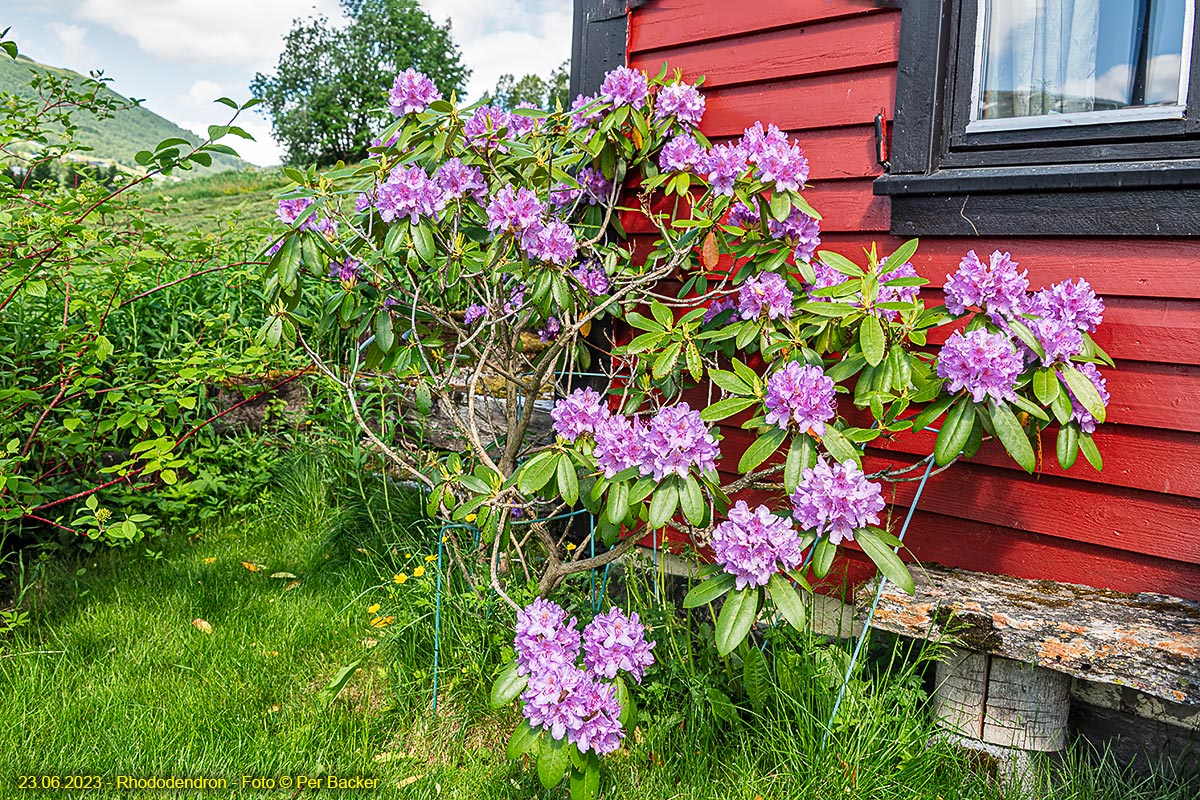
<point>116,139</point>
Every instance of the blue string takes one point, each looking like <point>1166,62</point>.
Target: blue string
<point>862,637</point>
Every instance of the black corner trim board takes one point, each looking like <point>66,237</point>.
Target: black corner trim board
<point>1139,179</point>
<point>599,35</point>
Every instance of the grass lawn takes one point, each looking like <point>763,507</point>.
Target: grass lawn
<point>113,677</point>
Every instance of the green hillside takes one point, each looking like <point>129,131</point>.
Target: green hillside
<point>116,139</point>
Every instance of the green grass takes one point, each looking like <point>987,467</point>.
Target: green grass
<point>112,678</point>
<point>209,201</point>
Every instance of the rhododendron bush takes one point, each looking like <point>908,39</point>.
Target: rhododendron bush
<point>477,268</point>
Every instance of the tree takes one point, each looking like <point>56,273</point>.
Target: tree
<point>330,81</point>
<point>534,90</point>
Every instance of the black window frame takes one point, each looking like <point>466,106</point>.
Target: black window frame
<point>1129,178</point>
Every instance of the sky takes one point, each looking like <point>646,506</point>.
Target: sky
<point>180,55</point>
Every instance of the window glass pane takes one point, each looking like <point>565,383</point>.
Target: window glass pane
<point>1066,56</point>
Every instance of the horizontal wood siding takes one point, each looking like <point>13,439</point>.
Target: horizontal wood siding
<point>822,70</point>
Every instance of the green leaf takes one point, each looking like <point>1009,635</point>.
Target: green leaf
<point>955,431</point>
<point>1085,392</point>
<point>662,314</point>
<point>801,455</point>
<point>735,620</point>
<point>1068,445</point>
<point>756,678</point>
<point>921,421</point>
<point>781,206</point>
<point>788,601</point>
<point>888,562</point>
<point>708,590</point>
<point>729,382</point>
<point>1025,335</point>
<point>524,740</point>
<point>666,361</point>
<point>900,256</point>
<point>385,337</point>
<point>552,761</point>
<point>823,553</point>
<point>663,504</point>
<point>536,472</point>
<point>839,447</point>
<point>568,481</point>
<point>585,783</point>
<point>1046,386</point>
<point>1012,435</point>
<point>507,686</point>
<point>691,499</point>
<point>841,263</point>
<point>871,339</point>
<point>339,681</point>
<point>423,242</point>
<point>726,408</point>
<point>1087,446</point>
<point>618,503</point>
<point>761,449</point>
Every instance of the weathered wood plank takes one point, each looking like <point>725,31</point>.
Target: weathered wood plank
<point>783,53</point>
<point>1148,641</point>
<point>666,23</point>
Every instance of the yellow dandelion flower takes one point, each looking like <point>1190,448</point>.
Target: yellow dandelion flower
<point>469,518</point>
<point>210,561</point>
<point>373,608</point>
<point>418,572</point>
<point>382,622</point>
<point>430,559</point>
<point>571,546</point>
<point>400,577</point>
<point>408,555</point>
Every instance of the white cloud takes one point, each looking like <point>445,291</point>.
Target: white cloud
<point>203,93</point>
<point>245,33</point>
<point>73,50</point>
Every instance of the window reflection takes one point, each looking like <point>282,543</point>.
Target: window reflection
<point>1044,57</point>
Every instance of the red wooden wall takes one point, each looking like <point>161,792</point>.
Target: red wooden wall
<point>822,70</point>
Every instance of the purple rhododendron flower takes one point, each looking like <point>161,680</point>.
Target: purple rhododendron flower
<point>680,154</point>
<point>378,142</point>
<point>591,276</point>
<point>800,393</point>
<point>596,187</point>
<point>613,642</point>
<point>550,331</point>
<point>546,696</point>
<point>717,306</point>
<point>366,201</point>
<point>514,211</point>
<point>893,294</point>
<point>412,93</point>
<point>836,499</point>
<point>1060,340</point>
<point>348,271</point>
<point>985,364</point>
<point>824,277</point>
<point>624,86</point>
<point>778,161</point>
<point>1087,423</point>
<point>516,299</point>
<point>682,101</point>
<point>744,216</point>
<point>553,242</point>
<point>580,412</point>
<point>457,180</point>
<point>409,193</point>
<point>520,125</point>
<point>581,118</point>
<point>474,313</point>
<point>995,287</point>
<point>291,210</point>
<point>723,165</point>
<point>766,292</point>
<point>756,141</point>
<point>754,545</point>
<point>1075,303</point>
<point>620,444</point>
<point>562,195</point>
<point>799,230</point>
<point>482,130</point>
<point>677,441</point>
<point>545,641</point>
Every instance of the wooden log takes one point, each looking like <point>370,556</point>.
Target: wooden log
<point>1150,642</point>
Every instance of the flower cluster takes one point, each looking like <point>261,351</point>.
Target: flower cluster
<point>680,154</point>
<point>674,441</point>
<point>722,165</point>
<point>726,303</point>
<point>409,193</point>
<point>802,394</point>
<point>614,642</point>
<point>592,278</point>
<point>552,242</point>
<point>1087,423</point>
<point>681,101</point>
<point>754,545</point>
<point>291,210</point>
<point>766,292</point>
<point>985,364</point>
<point>474,313</point>
<point>560,697</point>
<point>348,271</point>
<point>836,499</point>
<point>457,180</point>
<point>514,211</point>
<point>624,86</point>
<point>578,413</point>
<point>778,161</point>
<point>550,330</point>
<point>744,216</point>
<point>412,93</point>
<point>580,116</point>
<point>800,231</point>
<point>482,130</point>
<point>997,288</point>
<point>895,294</point>
<point>1063,313</point>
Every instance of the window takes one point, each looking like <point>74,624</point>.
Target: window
<point>1036,117</point>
